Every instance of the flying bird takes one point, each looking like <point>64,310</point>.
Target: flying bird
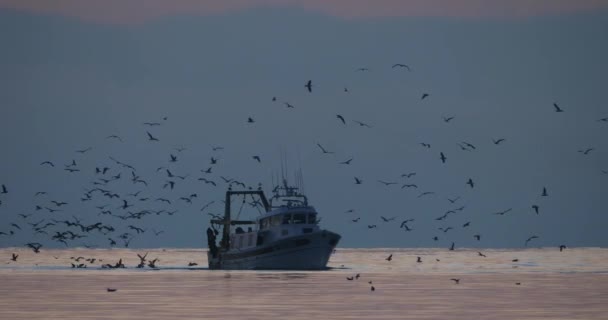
<point>358,181</point>
<point>323,149</point>
<point>448,119</point>
<point>34,246</point>
<point>347,161</point>
<point>390,257</point>
<point>47,163</point>
<point>362,124</point>
<point>470,183</point>
<point>530,239</point>
<point>557,108</point>
<point>250,120</point>
<point>309,85</point>
<point>562,247</point>
<point>586,151</point>
<point>401,65</point>
<point>497,142</point>
<point>443,158</point>
<point>424,96</point>
<point>83,151</point>
<point>257,158</point>
<point>150,137</point>
<point>544,194</point>
<point>341,119</point>
<point>456,281</point>
<point>535,207</point>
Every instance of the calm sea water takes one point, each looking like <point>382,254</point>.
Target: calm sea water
<point>552,285</point>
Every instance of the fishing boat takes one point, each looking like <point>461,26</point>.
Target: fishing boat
<point>285,236</point>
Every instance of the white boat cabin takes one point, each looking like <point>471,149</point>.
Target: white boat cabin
<point>283,222</point>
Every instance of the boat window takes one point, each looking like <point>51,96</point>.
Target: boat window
<point>276,220</point>
<point>299,218</point>
<point>264,223</point>
<point>312,218</point>
<point>286,218</point>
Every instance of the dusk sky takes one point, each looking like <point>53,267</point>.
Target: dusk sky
<point>75,72</point>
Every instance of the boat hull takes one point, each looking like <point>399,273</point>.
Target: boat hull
<point>303,252</point>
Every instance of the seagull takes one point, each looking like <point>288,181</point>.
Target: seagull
<point>47,163</point>
<point>401,65</point>
<point>371,226</point>
<point>362,124</point>
<point>387,219</point>
<point>404,223</point>
<point>418,260</point>
<point>447,120</point>
<point>481,254</point>
<point>544,194</point>
<point>456,281</point>
<point>530,239</point>
<point>557,108</point>
<point>453,200</point>
<point>347,161</point>
<point>477,236</point>
<point>603,120</point>
<point>470,182</point>
<point>409,186</point>
<point>586,151</point>
<point>362,69</point>
<point>83,151</point>
<point>15,256</point>
<point>288,105</point>
<point>497,142</point>
<point>341,119</point>
<point>535,207</point>
<point>151,124</point>
<point>150,137</point>
<point>443,158</point>
<point>425,194</point>
<point>114,137</point>
<point>323,149</point>
<point>350,278</point>
<point>358,181</point>
<point>250,120</point>
<point>502,213</point>
<point>561,248</point>
<point>466,224</point>
<point>452,247</point>
<point>173,158</point>
<point>390,257</point>
<point>111,289</point>
<point>257,158</point>
<point>309,85</point>
<point>387,183</point>
<point>34,246</point>
<point>426,145</point>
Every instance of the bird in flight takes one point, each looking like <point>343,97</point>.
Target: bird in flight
<point>47,163</point>
<point>530,239</point>
<point>323,149</point>
<point>309,85</point>
<point>387,183</point>
<point>4,191</point>
<point>470,183</point>
<point>477,236</point>
<point>401,65</point>
<point>34,246</point>
<point>83,151</point>
<point>502,213</point>
<point>409,186</point>
<point>390,257</point>
<point>250,120</point>
<point>408,175</point>
<point>557,108</point>
<point>443,157</point>
<point>448,119</point>
<point>362,124</point>
<point>358,181</point>
<point>150,137</point>
<point>341,119</point>
<point>453,200</point>
<point>481,254</point>
<point>257,158</point>
<point>586,151</point>
<point>562,247</point>
<point>425,194</point>
<point>535,207</point>
<point>424,96</point>
<point>347,161</point>
<point>426,145</point>
<point>362,69</point>
<point>544,194</point>
<point>387,219</point>
<point>289,105</point>
<point>114,137</point>
<point>456,281</point>
<point>498,141</point>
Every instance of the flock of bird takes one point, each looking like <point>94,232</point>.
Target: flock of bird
<point>127,209</point>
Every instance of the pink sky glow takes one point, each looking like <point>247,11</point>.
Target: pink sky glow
<point>138,11</point>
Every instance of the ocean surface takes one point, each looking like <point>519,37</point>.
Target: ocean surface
<point>540,284</point>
